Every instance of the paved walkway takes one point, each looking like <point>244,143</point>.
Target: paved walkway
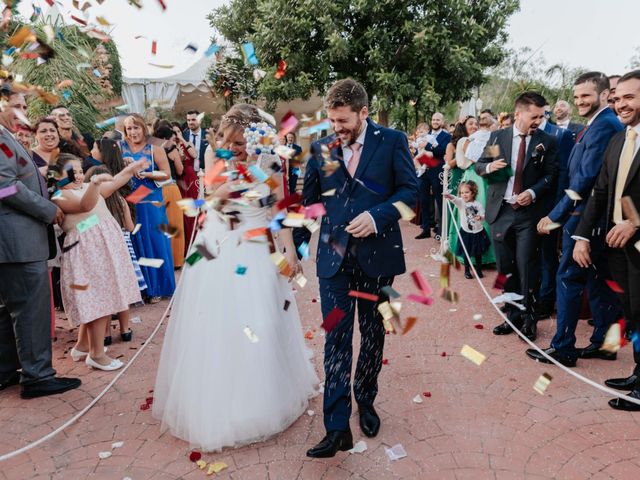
<point>478,422</point>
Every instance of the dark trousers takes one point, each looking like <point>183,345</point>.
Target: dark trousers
<point>627,275</point>
<point>338,349</point>
<point>300,235</point>
<point>294,173</point>
<point>549,262</point>
<point>516,245</point>
<point>572,281</point>
<point>25,321</point>
<point>430,185</point>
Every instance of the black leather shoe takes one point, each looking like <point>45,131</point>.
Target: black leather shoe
<point>593,351</point>
<point>626,405</point>
<point>529,328</point>
<point>423,234</point>
<point>627,383</point>
<point>543,309</point>
<point>369,421</point>
<point>52,386</point>
<point>332,443</point>
<point>503,329</point>
<point>14,379</point>
<point>468,275</point>
<point>108,340</point>
<point>565,360</point>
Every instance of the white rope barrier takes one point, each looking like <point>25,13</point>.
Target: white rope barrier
<point>573,373</point>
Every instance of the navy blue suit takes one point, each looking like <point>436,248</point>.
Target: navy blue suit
<point>584,166</point>
<point>385,174</point>
<point>187,135</point>
<point>549,244</point>
<point>431,183</point>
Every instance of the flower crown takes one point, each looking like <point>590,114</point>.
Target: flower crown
<point>261,138</point>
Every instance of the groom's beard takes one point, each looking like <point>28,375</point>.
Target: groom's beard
<point>353,133</point>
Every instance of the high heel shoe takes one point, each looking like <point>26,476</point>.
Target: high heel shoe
<point>127,336</point>
<point>77,355</point>
<point>114,365</point>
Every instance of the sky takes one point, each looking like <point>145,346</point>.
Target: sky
<point>593,34</point>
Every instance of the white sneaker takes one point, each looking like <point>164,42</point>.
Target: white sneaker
<point>114,365</point>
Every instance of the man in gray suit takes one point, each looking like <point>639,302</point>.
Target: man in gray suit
<point>520,165</point>
<point>25,303</point>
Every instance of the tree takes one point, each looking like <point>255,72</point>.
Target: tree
<point>405,52</point>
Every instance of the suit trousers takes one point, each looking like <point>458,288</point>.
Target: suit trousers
<point>549,263</point>
<point>25,321</point>
<point>627,275</point>
<point>572,281</point>
<point>430,186</point>
<point>338,349</point>
<point>516,245</point>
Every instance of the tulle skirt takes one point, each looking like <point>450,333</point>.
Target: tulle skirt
<point>234,367</point>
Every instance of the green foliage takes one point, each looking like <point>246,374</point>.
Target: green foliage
<point>425,52</point>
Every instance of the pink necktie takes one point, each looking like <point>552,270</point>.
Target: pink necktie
<point>355,158</point>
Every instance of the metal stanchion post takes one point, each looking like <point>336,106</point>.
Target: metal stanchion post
<point>444,231</point>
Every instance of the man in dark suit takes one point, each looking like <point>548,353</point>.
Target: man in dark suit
<point>545,299</point>
<point>197,136</point>
<point>293,163</point>
<point>25,297</point>
<point>357,174</point>
<point>431,181</point>
<point>591,91</point>
<point>619,179</point>
<point>521,173</point>
<point>562,111</point>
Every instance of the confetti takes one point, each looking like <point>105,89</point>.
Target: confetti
<point>329,193</point>
<point>418,399</point>
<point>8,191</point>
<point>637,245</point>
<point>75,286</point>
<point>217,467</point>
<point>201,464</point>
<point>478,326</point>
<point>258,173</point>
<point>551,226</point>
<point>282,68</point>
<point>191,47</point>
<point>396,452</point>
<point>287,124</point>
<point>359,447</point>
<point>169,230</point>
<point>288,201</point>
<point>304,250</point>
<point>408,324</point>
<point>363,295</point>
<point>69,247</point>
<point>542,383</point>
<point>258,74</point>
<point>212,175</point>
<point>311,413</point>
<point>138,194</point>
<point>390,292</point>
<point>104,455</point>
<point>115,445</point>
<point>150,262</point>
<point>253,338</point>
<point>241,270</point>
<point>195,456</point>
<point>426,394</point>
<point>444,274</point>
<point>477,317</point>
<point>213,49</point>
<point>472,355</point>
<point>249,52</point>
<point>300,279</point>
<point>613,339</point>
<point>406,213</point>
<point>575,196</point>
<point>421,283</point>
<point>420,299</point>
<point>87,223</point>
<point>614,286</point>
<point>501,280</point>
<point>287,304</point>
<point>449,295</point>
<point>332,320</point>
<point>308,335</point>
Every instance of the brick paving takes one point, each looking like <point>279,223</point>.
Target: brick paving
<point>479,422</point>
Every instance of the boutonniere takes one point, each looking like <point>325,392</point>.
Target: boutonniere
<point>539,151</point>
<point>377,132</point>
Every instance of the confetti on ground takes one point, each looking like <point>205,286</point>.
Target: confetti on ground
<point>76,286</point>
<point>136,320</point>
<point>472,355</point>
<point>443,354</point>
<point>478,326</point>
<point>426,394</point>
<point>418,399</point>
<point>115,445</point>
<point>396,452</point>
<point>150,262</point>
<point>311,413</point>
<point>216,467</point>
<point>300,279</point>
<point>104,455</point>
<point>87,223</point>
<point>421,283</point>
<point>359,447</point>
<point>195,456</point>
<point>201,464</point>
<point>477,317</point>
<point>308,335</point>
<point>542,383</point>
<point>363,295</point>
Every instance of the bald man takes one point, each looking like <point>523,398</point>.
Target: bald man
<point>430,182</point>
<point>562,111</point>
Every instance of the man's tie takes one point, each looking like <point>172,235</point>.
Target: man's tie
<point>355,158</point>
<point>517,181</point>
<point>193,139</point>
<point>623,172</point>
<point>580,134</point>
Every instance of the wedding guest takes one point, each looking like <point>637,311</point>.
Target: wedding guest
<point>188,181</point>
<point>562,112</point>
<point>70,139</point>
<point>24,135</point>
<point>505,119</point>
<point>591,91</point>
<point>46,151</point>
<point>25,304</point>
<point>515,197</point>
<point>195,134</point>
<point>150,242</point>
<point>97,276</point>
<point>613,84</point>
<point>294,163</point>
<point>619,178</point>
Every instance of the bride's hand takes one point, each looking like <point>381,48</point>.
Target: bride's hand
<point>294,263</point>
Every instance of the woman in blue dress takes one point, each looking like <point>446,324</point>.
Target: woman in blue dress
<point>150,241</point>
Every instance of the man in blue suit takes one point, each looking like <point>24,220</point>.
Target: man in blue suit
<point>357,174</point>
<point>197,136</point>
<point>430,181</point>
<point>590,94</point>
<point>549,244</point>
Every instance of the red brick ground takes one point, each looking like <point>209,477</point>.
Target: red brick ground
<point>480,422</point>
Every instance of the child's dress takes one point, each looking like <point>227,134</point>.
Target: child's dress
<point>97,277</point>
<point>472,231</point>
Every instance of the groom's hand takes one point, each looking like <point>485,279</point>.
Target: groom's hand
<point>361,226</point>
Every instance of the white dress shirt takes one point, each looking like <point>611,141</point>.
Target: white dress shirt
<point>347,153</point>
<point>515,146</point>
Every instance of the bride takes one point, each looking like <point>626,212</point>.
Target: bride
<point>234,368</point>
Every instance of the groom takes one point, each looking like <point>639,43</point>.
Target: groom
<point>357,173</point>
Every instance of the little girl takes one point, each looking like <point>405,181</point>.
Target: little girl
<point>97,276</point>
<point>472,231</point>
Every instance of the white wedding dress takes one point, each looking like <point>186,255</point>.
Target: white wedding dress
<point>217,387</point>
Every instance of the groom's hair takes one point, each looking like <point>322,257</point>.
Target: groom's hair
<point>346,93</point>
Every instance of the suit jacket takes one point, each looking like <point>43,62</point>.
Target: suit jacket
<point>600,204</point>
<point>186,134</point>
<point>443,140</point>
<point>385,175</point>
<point>539,174</point>
<point>565,141</point>
<point>24,216</point>
<point>584,164</point>
<point>575,128</point>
